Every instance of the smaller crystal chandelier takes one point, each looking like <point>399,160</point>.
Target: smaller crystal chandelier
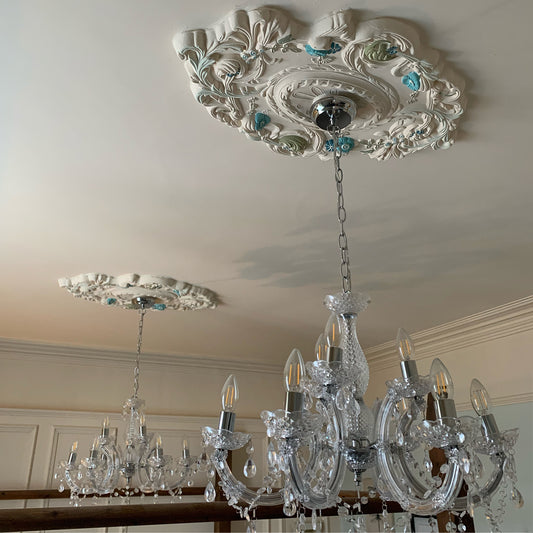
<point>139,466</point>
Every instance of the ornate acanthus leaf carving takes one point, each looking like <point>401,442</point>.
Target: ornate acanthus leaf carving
<point>259,71</point>
<point>120,291</point>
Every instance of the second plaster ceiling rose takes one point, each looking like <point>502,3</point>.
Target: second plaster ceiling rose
<point>260,71</point>
<point>127,290</point>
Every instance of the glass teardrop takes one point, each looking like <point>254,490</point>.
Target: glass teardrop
<point>249,468</point>
<point>210,493</point>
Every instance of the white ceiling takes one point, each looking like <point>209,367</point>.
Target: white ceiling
<point>107,164</point>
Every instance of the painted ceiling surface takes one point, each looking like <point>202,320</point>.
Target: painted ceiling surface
<point>107,164</point>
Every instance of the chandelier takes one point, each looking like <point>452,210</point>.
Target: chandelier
<point>325,429</point>
<point>139,466</point>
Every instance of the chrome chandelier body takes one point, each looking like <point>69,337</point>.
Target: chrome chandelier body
<point>325,429</point>
<point>140,466</point>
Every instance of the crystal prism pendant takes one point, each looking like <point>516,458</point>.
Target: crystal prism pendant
<point>250,468</point>
<point>209,493</point>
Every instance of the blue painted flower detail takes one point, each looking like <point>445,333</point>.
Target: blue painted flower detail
<point>333,49</point>
<point>177,292</point>
<point>330,145</point>
<point>392,50</point>
<point>345,144</point>
<point>159,307</point>
<point>412,81</point>
<point>261,120</point>
<point>111,301</point>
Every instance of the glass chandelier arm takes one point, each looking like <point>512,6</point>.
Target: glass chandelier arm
<point>233,488</point>
<point>300,482</point>
<point>489,488</point>
<point>394,473</point>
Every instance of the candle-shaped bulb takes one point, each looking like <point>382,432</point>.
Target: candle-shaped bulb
<point>320,348</point>
<point>105,427</point>
<point>185,449</point>
<point>159,442</point>
<point>333,331</point>
<point>72,456</point>
<point>230,394</point>
<point>95,444</point>
<point>404,345</point>
<point>480,398</point>
<point>294,372</point>
<point>142,426</point>
<point>442,381</point>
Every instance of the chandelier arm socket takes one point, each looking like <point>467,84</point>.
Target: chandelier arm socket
<point>392,472</point>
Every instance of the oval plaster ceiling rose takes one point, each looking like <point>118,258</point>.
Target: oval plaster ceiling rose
<point>259,71</point>
<point>161,292</point>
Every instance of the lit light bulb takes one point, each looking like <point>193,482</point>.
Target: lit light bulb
<point>95,444</point>
<point>333,331</point>
<point>230,394</point>
<point>294,372</point>
<point>404,345</point>
<point>185,449</point>
<point>72,456</point>
<point>320,348</point>
<point>443,383</point>
<point>142,425</point>
<point>159,447</point>
<point>480,398</point>
<point>105,427</point>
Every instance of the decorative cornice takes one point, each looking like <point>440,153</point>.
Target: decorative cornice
<point>59,353</point>
<point>502,321</point>
<point>509,399</point>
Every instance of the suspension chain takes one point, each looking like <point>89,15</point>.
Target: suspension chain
<point>341,213</point>
<point>142,312</point>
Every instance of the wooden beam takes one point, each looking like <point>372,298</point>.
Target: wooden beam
<point>138,515</point>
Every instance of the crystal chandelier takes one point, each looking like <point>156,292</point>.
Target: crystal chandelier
<point>325,428</point>
<point>139,467</point>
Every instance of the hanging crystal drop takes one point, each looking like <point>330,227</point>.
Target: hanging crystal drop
<point>451,527</point>
<point>400,438</point>
<point>340,400</point>
<point>272,457</point>
<point>289,508</point>
<point>461,527</point>
<point>516,496</point>
<point>428,465</point>
<point>209,493</point>
<point>250,468</point>
<point>313,520</point>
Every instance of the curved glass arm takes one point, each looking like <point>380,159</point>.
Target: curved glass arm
<point>100,477</point>
<point>300,482</point>
<point>234,489</point>
<point>488,489</point>
<point>395,473</point>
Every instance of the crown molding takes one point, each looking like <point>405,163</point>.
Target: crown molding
<point>59,353</point>
<point>508,319</point>
<point>497,401</point>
